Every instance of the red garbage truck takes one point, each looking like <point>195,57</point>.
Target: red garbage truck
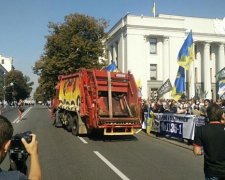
<point>97,100</point>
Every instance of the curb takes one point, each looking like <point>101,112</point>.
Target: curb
<point>177,142</point>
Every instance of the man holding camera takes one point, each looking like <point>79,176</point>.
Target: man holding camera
<point>6,133</point>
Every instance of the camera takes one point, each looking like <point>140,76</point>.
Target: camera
<point>16,143</point>
<point>17,152</point>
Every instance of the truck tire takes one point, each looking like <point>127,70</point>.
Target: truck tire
<point>75,126</point>
<point>70,122</point>
<point>60,117</point>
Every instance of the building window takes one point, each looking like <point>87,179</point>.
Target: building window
<point>153,45</point>
<point>3,61</point>
<point>196,75</point>
<point>153,71</point>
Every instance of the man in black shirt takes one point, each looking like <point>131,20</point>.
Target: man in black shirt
<point>6,132</point>
<point>210,141</point>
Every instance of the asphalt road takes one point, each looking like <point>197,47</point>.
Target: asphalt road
<point>64,156</point>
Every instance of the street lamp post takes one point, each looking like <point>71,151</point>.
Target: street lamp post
<point>12,84</point>
<point>4,88</point>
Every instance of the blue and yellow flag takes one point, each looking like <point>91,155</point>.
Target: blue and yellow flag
<point>150,119</point>
<point>179,85</point>
<point>186,53</point>
<point>112,67</point>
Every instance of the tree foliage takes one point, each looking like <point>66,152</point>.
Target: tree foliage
<point>74,44</point>
<point>17,86</point>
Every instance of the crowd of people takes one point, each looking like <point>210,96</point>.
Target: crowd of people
<point>191,106</point>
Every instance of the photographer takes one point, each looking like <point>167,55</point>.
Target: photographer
<point>6,133</point>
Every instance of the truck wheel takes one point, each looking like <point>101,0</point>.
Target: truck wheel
<point>60,117</point>
<point>75,126</point>
<point>70,122</point>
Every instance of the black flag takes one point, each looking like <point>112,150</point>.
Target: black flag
<point>166,87</point>
<point>221,74</point>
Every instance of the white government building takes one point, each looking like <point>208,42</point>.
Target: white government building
<point>149,46</point>
<point>6,64</point>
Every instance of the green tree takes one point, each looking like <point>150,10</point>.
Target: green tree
<point>17,86</point>
<point>76,43</point>
<point>38,95</point>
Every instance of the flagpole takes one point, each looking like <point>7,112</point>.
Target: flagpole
<point>154,8</point>
<point>193,76</point>
<point>192,82</point>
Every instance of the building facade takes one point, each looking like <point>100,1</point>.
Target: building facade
<point>149,46</point>
<point>6,63</point>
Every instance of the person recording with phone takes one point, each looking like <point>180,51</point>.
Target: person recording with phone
<point>6,134</point>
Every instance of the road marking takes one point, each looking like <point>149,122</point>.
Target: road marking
<point>138,131</point>
<point>117,171</point>
<point>82,139</point>
<point>24,114</point>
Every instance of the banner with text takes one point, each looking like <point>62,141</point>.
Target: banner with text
<point>178,125</point>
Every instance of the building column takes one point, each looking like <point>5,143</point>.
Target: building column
<point>109,54</point>
<point>221,58</point>
<point>166,64</point>
<point>115,53</point>
<point>206,74</point>
<point>165,59</point>
<point>160,69</point>
<point>122,59</point>
<point>191,79</point>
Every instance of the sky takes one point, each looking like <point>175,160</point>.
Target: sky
<point>24,23</point>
